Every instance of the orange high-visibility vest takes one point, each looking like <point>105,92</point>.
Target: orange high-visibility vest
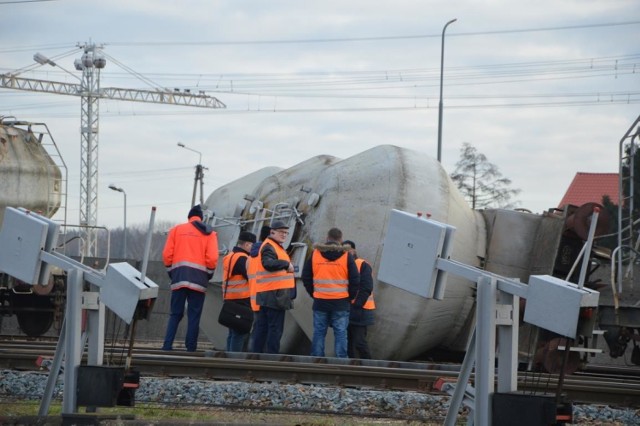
<point>273,280</point>
<point>330,277</point>
<point>252,270</point>
<point>235,286</point>
<point>369,304</point>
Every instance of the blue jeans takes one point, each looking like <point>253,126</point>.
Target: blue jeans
<point>267,330</point>
<point>194,300</point>
<point>235,341</point>
<point>322,320</point>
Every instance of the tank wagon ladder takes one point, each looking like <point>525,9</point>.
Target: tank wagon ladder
<point>627,249</point>
<point>59,184</point>
<point>284,211</point>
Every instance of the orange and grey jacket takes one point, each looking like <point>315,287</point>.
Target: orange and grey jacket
<point>190,255</point>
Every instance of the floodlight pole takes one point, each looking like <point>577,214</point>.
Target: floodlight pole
<point>115,188</point>
<point>198,177</point>
<point>440,104</point>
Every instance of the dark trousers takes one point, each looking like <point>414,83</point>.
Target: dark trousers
<point>194,300</point>
<point>357,342</point>
<point>268,330</point>
<point>259,332</point>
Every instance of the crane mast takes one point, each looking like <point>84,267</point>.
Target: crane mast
<point>88,89</point>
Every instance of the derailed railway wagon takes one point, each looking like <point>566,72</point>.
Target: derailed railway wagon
<point>32,176</point>
<point>357,195</point>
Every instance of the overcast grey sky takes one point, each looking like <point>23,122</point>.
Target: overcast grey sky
<point>543,88</point>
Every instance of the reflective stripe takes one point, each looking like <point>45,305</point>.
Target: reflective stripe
<point>235,290</point>
<point>186,284</point>
<point>328,289</point>
<point>331,282</point>
<point>270,278</point>
<point>190,265</point>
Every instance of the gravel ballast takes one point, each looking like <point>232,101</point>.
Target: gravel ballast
<point>294,397</point>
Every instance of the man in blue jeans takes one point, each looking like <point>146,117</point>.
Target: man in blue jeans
<point>331,277</point>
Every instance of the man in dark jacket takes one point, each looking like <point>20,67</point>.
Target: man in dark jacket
<point>331,277</point>
<point>274,285</point>
<point>361,317</point>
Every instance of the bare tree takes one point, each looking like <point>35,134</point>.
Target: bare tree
<point>481,182</point>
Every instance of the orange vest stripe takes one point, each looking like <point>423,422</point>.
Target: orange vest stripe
<point>330,277</point>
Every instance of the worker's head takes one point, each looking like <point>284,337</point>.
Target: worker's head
<point>246,240</point>
<point>279,231</point>
<point>351,244</point>
<point>334,234</point>
<point>195,211</point>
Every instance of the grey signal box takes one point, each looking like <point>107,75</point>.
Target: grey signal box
<point>412,247</point>
<point>22,238</point>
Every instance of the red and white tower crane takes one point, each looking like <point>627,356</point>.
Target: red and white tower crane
<point>88,89</point>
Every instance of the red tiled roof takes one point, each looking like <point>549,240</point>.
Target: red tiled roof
<point>590,187</point>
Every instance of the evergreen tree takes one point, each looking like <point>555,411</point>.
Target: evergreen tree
<point>610,240</point>
<point>626,169</point>
<point>481,182</point>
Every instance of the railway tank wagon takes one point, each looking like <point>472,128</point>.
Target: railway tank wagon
<point>32,179</point>
<point>356,195</point>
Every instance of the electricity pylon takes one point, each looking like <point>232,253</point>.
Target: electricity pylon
<point>88,89</point>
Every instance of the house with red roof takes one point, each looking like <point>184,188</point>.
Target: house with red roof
<point>590,187</point>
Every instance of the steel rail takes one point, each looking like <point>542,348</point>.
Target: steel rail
<point>615,387</point>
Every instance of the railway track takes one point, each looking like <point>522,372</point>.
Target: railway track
<point>597,384</point>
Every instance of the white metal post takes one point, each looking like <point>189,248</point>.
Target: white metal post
<point>485,348</point>
<point>73,350</point>
<point>507,334</point>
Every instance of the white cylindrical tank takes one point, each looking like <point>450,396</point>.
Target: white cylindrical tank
<point>28,176</point>
<point>356,195</point>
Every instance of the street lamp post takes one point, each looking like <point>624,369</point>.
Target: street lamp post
<point>440,105</point>
<point>115,188</point>
<point>198,177</point>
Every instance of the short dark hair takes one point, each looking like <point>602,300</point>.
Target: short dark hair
<point>246,237</point>
<point>334,234</point>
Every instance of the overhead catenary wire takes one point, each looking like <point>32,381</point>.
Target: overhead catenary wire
<point>374,38</point>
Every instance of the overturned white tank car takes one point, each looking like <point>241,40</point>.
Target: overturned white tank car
<point>356,195</point>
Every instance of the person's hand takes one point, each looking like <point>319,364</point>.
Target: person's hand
<point>290,267</point>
